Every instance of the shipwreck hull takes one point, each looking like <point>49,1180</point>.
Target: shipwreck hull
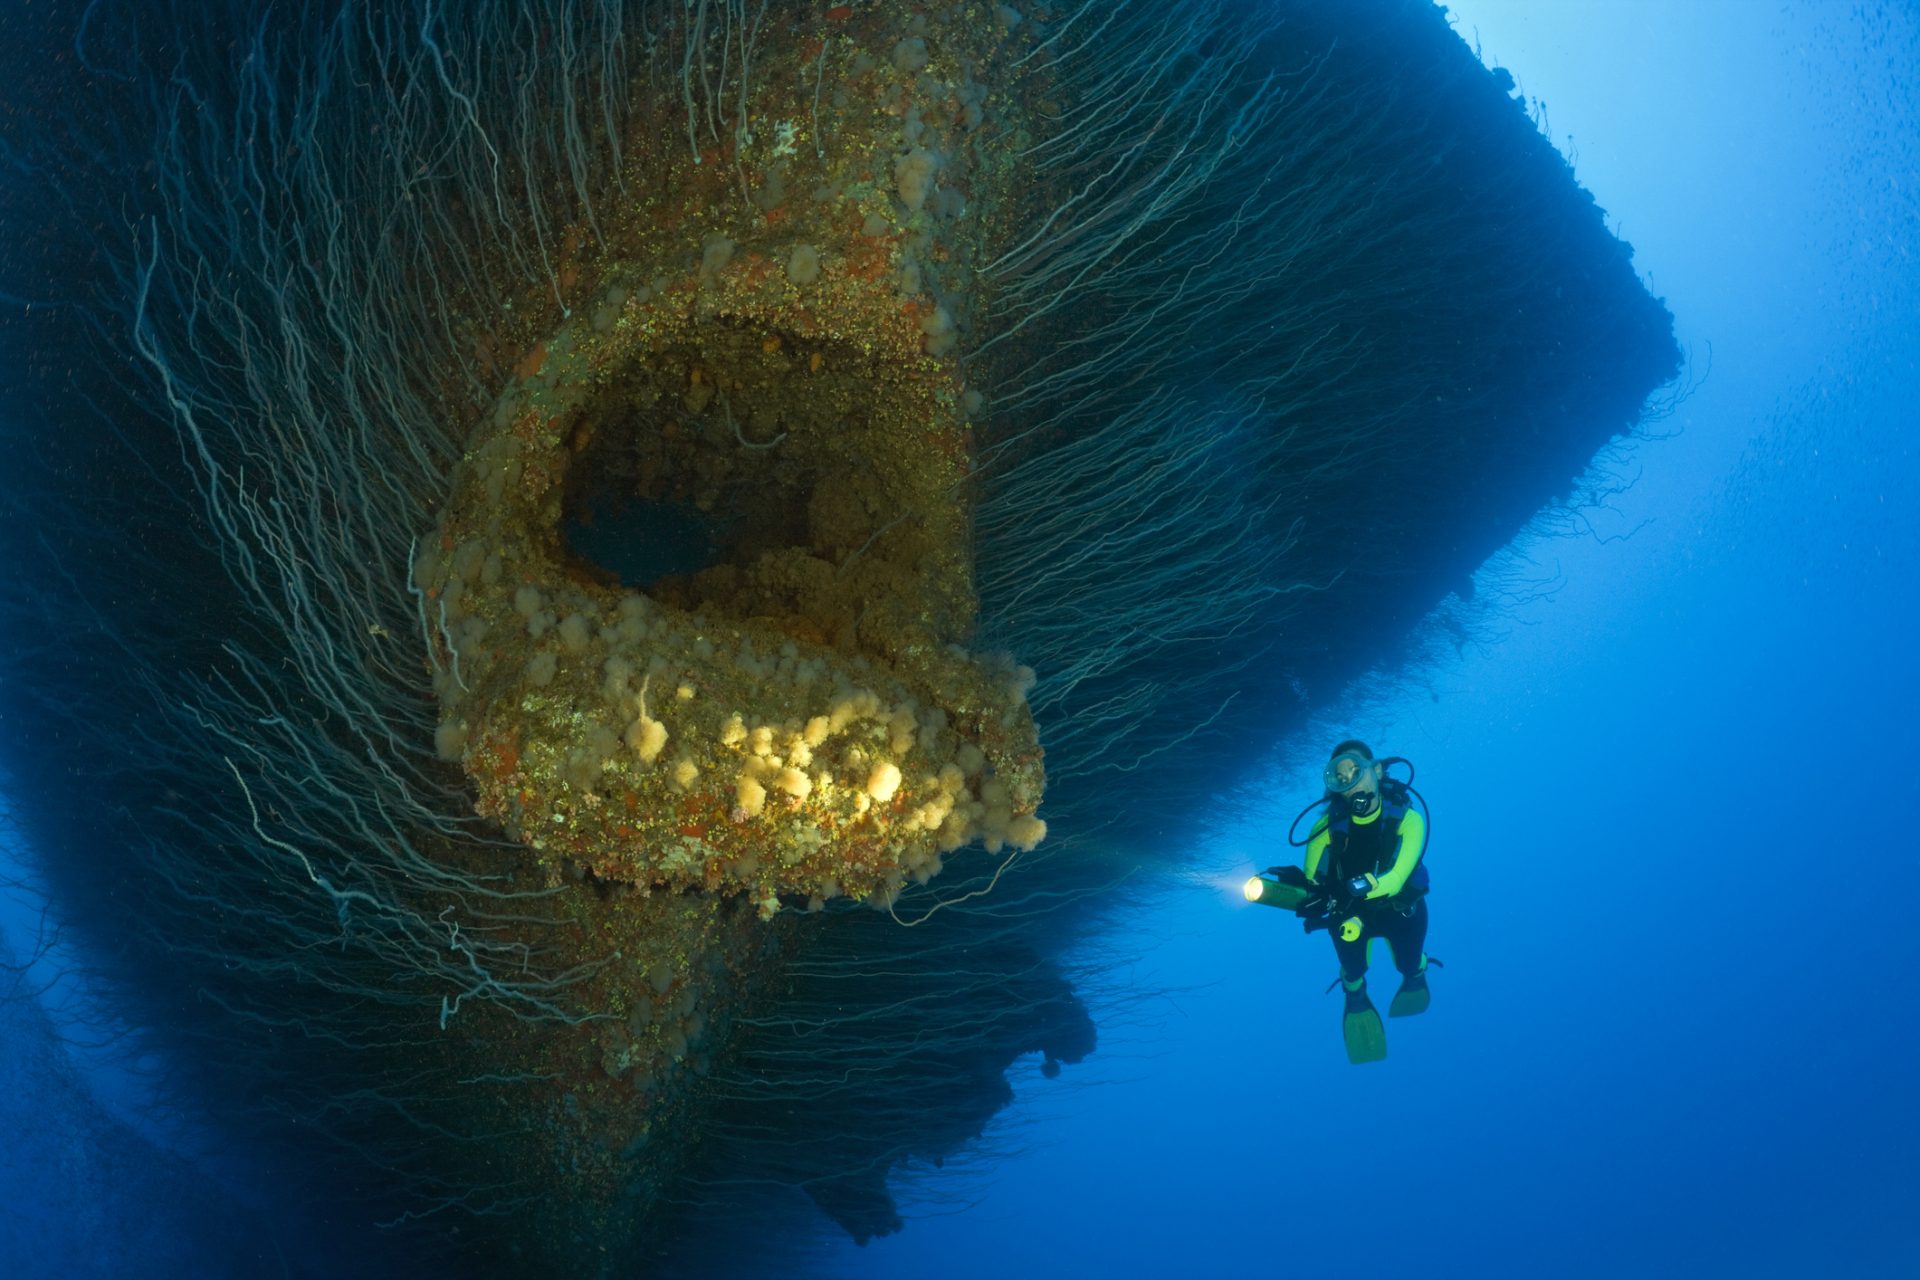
<point>641,574</point>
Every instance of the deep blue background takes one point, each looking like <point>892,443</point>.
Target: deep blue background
<point>1675,804</point>
<point>1675,800</point>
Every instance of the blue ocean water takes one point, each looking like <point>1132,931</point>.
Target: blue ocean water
<point>1672,800</point>
<point>1671,795</point>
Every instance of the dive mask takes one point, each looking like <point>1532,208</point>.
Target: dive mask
<point>1345,776</point>
<point>1344,770</point>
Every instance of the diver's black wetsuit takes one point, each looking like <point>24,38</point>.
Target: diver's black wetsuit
<point>1405,932</point>
<point>1388,846</point>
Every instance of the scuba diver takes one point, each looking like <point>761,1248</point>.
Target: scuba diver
<point>1364,878</point>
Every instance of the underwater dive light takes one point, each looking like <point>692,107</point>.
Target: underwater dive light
<point>1271,888</point>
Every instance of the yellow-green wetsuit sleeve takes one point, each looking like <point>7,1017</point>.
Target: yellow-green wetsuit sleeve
<point>1413,843</point>
<point>1317,848</point>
